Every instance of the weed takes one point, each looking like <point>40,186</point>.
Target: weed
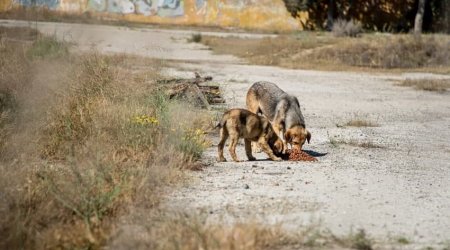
<point>361,123</point>
<point>21,33</point>
<point>355,143</point>
<point>333,141</point>
<point>403,240</point>
<point>360,241</point>
<point>193,143</point>
<point>330,52</point>
<point>393,52</point>
<point>72,124</point>
<point>435,85</point>
<point>46,46</point>
<point>195,38</point>
<point>346,28</point>
<point>101,142</point>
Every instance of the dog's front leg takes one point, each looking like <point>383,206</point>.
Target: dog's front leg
<point>255,147</point>
<point>283,139</point>
<point>279,130</point>
<point>266,148</point>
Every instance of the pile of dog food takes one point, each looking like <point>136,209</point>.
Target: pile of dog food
<point>298,155</point>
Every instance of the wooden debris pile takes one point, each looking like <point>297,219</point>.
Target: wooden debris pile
<point>198,90</point>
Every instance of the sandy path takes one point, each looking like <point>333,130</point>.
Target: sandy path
<point>399,189</point>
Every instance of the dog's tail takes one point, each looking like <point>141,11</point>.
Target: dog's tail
<point>221,124</point>
<point>223,121</point>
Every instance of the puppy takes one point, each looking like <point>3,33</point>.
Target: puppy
<point>283,111</point>
<point>238,123</point>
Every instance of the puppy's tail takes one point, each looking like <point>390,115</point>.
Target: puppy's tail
<point>222,122</point>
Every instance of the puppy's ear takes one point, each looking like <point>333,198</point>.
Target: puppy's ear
<point>287,136</point>
<point>308,135</point>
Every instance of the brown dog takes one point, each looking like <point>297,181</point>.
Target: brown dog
<point>238,123</point>
<point>283,111</point>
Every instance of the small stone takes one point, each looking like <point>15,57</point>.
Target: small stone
<point>254,166</point>
<point>288,168</point>
<point>246,186</point>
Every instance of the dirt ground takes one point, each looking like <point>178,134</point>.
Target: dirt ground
<point>391,180</point>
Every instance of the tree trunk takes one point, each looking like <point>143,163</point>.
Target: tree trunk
<point>419,17</point>
<point>330,13</point>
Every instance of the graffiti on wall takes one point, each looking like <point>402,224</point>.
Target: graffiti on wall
<point>51,4</point>
<point>164,8</point>
<point>265,14</point>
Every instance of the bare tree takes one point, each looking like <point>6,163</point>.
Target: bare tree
<point>419,17</point>
<point>330,13</point>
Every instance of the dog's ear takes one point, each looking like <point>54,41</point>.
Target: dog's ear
<point>308,135</point>
<point>287,136</point>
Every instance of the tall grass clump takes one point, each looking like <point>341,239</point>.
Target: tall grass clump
<point>343,28</point>
<point>195,38</point>
<point>71,124</point>
<point>405,51</point>
<point>435,85</point>
<point>48,46</point>
<point>14,78</point>
<point>99,141</point>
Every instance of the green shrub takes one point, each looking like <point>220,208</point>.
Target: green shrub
<point>46,46</point>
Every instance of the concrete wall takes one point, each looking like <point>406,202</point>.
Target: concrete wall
<point>259,14</point>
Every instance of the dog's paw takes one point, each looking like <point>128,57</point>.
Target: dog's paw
<point>256,150</point>
<point>221,159</point>
<point>276,159</point>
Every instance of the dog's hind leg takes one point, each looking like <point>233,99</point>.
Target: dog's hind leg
<point>252,101</point>
<point>221,145</point>
<point>248,150</point>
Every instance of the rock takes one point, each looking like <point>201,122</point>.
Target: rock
<point>246,186</point>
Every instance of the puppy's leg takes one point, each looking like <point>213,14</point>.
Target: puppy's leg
<point>255,147</point>
<point>248,150</point>
<point>232,148</point>
<point>223,138</point>
<point>266,148</point>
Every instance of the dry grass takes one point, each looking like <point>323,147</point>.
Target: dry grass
<point>22,33</point>
<point>354,143</point>
<point>346,28</point>
<point>190,232</point>
<point>323,51</point>
<point>435,85</point>
<point>360,123</point>
<point>267,51</point>
<point>83,138</point>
